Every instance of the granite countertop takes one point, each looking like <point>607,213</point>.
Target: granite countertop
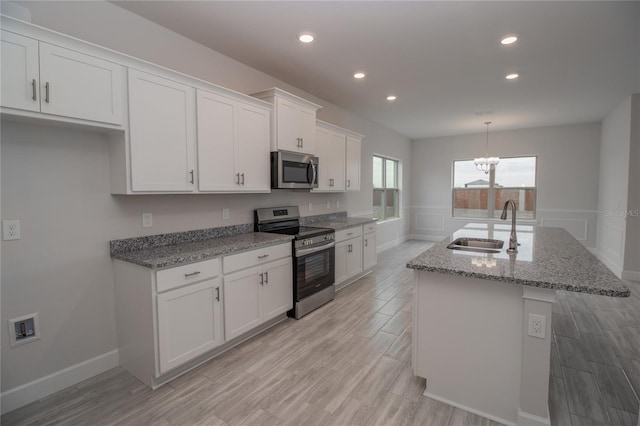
<point>342,223</point>
<point>547,258</point>
<point>179,254</point>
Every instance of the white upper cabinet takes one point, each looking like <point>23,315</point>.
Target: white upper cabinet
<point>294,121</point>
<point>331,152</point>
<point>162,134</point>
<point>41,77</point>
<point>353,162</point>
<point>233,145</point>
<point>20,72</point>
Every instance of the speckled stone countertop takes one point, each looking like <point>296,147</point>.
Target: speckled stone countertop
<point>179,254</point>
<point>547,258</point>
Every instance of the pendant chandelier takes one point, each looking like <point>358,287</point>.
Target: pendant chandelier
<point>486,163</point>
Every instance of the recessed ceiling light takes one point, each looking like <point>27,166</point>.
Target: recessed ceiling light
<point>510,39</point>
<point>305,38</point>
<point>512,76</point>
<point>391,98</point>
<point>358,75</point>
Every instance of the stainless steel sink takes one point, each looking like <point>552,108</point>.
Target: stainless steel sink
<point>481,245</point>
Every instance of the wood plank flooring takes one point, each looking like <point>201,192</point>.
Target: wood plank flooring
<point>348,363</point>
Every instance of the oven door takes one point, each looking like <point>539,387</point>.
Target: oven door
<point>314,270</point>
<point>292,170</point>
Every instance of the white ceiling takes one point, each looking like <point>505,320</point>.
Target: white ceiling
<point>444,60</point>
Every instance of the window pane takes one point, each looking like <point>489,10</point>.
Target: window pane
<point>392,203</point>
<point>378,196</point>
<point>378,181</point>
<point>470,190</point>
<point>516,180</point>
<point>392,174</point>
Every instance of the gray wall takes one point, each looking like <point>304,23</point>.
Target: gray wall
<point>567,176</point>
<point>618,239</point>
<point>56,181</point>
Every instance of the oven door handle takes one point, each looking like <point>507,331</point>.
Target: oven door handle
<point>304,252</point>
<point>313,175</point>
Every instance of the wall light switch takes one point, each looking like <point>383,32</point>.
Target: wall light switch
<point>225,214</point>
<point>147,220</point>
<point>10,230</point>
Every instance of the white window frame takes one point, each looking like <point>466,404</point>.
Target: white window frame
<point>384,188</point>
<point>491,207</point>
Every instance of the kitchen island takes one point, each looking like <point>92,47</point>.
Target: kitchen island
<point>482,321</point>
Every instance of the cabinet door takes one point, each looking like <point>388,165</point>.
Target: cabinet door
<point>306,121</point>
<point>369,254</point>
<point>338,143</point>
<point>189,323</point>
<point>19,72</point>
<point>241,301</point>
<point>276,293</point>
<point>325,159</point>
<point>342,254</point>
<point>162,134</point>
<point>216,142</point>
<point>354,258</point>
<point>252,148</point>
<point>287,133</point>
<point>80,86</point>
<point>353,163</point>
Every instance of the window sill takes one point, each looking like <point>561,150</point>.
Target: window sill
<point>385,221</point>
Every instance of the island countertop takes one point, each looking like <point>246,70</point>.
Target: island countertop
<point>547,258</point>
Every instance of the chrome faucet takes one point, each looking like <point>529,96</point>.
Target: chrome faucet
<point>513,239</point>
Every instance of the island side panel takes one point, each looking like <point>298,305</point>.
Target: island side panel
<point>468,343</point>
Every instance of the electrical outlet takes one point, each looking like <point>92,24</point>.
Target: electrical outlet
<point>24,329</point>
<point>537,326</point>
<point>10,230</point>
<point>225,214</point>
<point>147,220</point>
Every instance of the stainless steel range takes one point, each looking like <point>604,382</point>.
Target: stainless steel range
<point>313,257</point>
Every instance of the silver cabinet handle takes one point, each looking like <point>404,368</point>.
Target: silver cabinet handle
<point>191,173</point>
<point>264,256</point>
<point>298,144</point>
<point>266,280</point>
<point>237,178</point>
<point>348,183</point>
<point>366,243</point>
<point>192,274</point>
<point>301,142</point>
<point>349,233</point>
<point>242,175</point>
<point>261,279</point>
<point>331,182</point>
<point>46,92</point>
<point>218,294</point>
<point>33,89</point>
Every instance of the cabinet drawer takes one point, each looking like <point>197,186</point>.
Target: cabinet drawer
<point>247,259</point>
<point>369,228</point>
<point>191,273</point>
<point>348,233</point>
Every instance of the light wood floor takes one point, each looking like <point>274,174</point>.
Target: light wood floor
<point>348,363</point>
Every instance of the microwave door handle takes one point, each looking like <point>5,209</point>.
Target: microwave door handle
<point>314,174</point>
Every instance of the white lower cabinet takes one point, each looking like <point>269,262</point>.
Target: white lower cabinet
<point>189,322</point>
<point>348,253</point>
<point>258,293</point>
<point>369,254</point>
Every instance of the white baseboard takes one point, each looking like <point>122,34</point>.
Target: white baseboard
<point>45,386</point>
<point>528,419</point>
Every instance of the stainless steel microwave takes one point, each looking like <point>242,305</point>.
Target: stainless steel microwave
<point>292,170</point>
